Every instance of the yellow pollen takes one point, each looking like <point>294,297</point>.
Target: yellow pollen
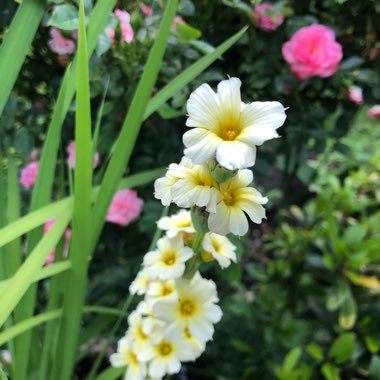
<point>207,256</point>
<point>167,290</point>
<point>187,308</point>
<point>141,333</point>
<point>165,348</point>
<point>187,333</point>
<point>170,258</point>
<point>133,358</point>
<point>229,199</point>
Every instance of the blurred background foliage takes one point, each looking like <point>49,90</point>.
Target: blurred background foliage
<point>302,303</point>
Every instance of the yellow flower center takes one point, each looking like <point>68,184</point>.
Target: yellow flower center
<point>170,258</point>
<point>132,358</point>
<point>165,348</point>
<point>187,308</point>
<point>229,199</point>
<point>229,133</point>
<point>166,290</point>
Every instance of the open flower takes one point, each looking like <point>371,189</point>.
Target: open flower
<point>219,248</point>
<point>125,207</point>
<point>195,186</point>
<point>166,357</point>
<point>225,128</point>
<point>179,223</point>
<point>126,356</point>
<point>313,51</point>
<point>59,44</point>
<point>194,308</point>
<point>29,174</point>
<point>168,261</point>
<point>237,200</point>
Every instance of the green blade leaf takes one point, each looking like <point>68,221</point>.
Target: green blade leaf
<point>132,123</point>
<point>28,324</point>
<point>24,277</point>
<point>81,235</point>
<point>16,44</point>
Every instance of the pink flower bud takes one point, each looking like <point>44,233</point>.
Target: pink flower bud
<point>266,18</point>
<point>59,44</point>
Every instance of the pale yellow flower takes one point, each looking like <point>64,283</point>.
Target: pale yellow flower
<point>126,356</point>
<point>238,200</point>
<point>226,129</point>
<point>167,262</point>
<point>179,223</point>
<point>218,247</point>
<point>194,308</point>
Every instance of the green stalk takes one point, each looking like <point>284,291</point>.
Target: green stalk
<point>82,216</point>
<point>16,44</point>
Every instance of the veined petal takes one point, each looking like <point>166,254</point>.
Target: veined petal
<point>255,211</point>
<point>201,329</point>
<point>203,108</point>
<point>204,150</point>
<point>219,221</point>
<point>260,120</point>
<point>229,96</point>
<point>238,222</point>
<point>235,155</point>
<point>194,136</point>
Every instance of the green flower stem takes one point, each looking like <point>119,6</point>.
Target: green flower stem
<point>193,264</point>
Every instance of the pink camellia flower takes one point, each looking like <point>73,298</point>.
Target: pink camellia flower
<point>70,149</point>
<point>266,18</point>
<point>374,111</point>
<point>48,225</point>
<point>125,207</point>
<point>29,174</point>
<point>59,44</point>
<point>355,94</point>
<point>313,51</point>
<point>148,11</point>
<point>125,26</point>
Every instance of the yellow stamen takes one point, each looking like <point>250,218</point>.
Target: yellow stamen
<point>187,308</point>
<point>165,348</point>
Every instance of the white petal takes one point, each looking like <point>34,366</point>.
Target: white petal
<point>229,95</point>
<point>238,222</point>
<point>260,121</point>
<point>235,155</point>
<point>204,150</point>
<point>255,211</point>
<point>201,329</point>
<point>194,136</point>
<point>157,368</point>
<point>174,365</point>
<point>166,310</point>
<point>213,312</point>
<point>219,222</point>
<point>203,108</point>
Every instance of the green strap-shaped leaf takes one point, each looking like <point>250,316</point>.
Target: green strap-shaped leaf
<point>132,123</point>
<point>24,277</point>
<point>16,44</point>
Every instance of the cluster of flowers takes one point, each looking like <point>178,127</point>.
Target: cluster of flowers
<point>175,320</point>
